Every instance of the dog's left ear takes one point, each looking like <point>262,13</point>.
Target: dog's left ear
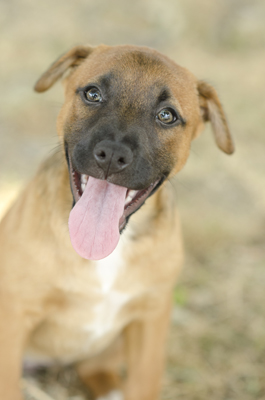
<point>70,59</point>
<point>212,110</point>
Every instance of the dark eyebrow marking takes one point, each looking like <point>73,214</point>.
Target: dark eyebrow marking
<point>163,96</point>
<point>103,81</point>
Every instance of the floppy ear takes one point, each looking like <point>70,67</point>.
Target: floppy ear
<point>70,59</point>
<point>212,110</point>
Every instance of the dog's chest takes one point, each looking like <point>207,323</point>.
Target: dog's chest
<point>111,299</point>
<point>96,308</point>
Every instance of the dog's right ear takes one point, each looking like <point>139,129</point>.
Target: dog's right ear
<point>72,58</point>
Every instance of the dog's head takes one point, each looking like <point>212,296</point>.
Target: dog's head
<point>129,117</point>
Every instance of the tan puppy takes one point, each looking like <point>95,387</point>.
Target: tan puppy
<point>129,117</point>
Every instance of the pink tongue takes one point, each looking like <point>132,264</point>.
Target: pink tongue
<point>94,220</point>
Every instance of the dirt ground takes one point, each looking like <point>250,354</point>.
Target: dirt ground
<point>216,345</point>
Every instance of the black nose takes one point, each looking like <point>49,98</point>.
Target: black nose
<point>112,157</point>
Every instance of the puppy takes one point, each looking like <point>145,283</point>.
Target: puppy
<point>91,250</point>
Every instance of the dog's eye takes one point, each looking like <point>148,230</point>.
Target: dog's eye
<point>167,116</point>
<point>93,95</point>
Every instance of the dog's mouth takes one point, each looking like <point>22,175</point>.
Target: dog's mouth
<point>101,211</point>
<point>134,199</point>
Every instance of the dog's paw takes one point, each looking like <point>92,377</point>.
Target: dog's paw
<point>113,395</point>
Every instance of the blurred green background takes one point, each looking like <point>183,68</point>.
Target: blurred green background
<point>217,343</point>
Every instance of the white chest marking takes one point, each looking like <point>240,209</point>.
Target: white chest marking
<point>105,312</point>
<point>108,268</point>
<point>113,395</point>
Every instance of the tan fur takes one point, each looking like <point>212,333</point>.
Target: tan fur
<point>49,294</point>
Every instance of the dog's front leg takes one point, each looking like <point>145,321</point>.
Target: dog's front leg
<point>145,353</point>
<point>11,344</point>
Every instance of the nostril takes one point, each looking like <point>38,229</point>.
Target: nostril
<point>121,161</point>
<point>101,155</point>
